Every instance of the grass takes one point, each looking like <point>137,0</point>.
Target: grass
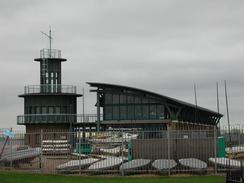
<point>12,177</point>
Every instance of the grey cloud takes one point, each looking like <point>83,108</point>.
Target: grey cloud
<point>162,46</point>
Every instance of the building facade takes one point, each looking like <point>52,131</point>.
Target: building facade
<point>123,106</point>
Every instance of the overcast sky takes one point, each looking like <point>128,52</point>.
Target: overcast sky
<point>161,46</point>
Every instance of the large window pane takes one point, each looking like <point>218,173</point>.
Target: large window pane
<point>108,113</point>
<point>44,110</point>
<point>123,112</point>
<point>122,99</point>
<point>138,112</point>
<point>50,110</point>
<point>144,100</point>
<point>108,98</point>
<point>57,110</point>
<point>116,112</point>
<point>115,99</point>
<point>131,112</point>
<point>137,100</point>
<point>130,99</point>
<point>160,111</point>
<point>152,111</point>
<point>38,110</point>
<point>145,112</point>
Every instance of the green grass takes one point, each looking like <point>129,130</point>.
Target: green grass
<point>12,177</point>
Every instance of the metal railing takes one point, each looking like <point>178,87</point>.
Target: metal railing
<point>48,88</point>
<point>56,118</point>
<point>50,53</point>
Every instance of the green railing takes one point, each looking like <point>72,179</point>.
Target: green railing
<point>48,88</point>
<point>56,118</point>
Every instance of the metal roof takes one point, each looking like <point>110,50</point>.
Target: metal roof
<point>169,99</point>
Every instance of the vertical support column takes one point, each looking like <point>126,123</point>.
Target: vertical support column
<point>122,153</point>
<point>215,150</point>
<point>79,149</point>
<point>41,158</point>
<point>98,110</point>
<point>168,144</point>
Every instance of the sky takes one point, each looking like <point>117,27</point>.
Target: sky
<point>164,46</point>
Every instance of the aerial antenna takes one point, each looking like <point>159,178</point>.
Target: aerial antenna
<point>50,39</point>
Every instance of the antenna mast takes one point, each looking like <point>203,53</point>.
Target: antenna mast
<point>50,39</point>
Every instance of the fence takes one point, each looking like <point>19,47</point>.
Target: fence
<point>121,152</point>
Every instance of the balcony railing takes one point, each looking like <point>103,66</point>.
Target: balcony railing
<point>50,53</point>
<point>31,89</point>
<point>56,118</point>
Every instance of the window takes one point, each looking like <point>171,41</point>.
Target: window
<point>108,113</point>
<point>144,100</point>
<point>137,100</point>
<point>50,110</point>
<point>115,99</point>
<point>123,112</point>
<point>152,111</point>
<point>108,98</point>
<point>131,112</point>
<point>160,111</point>
<point>57,110</point>
<point>145,112</point>
<point>44,110</point>
<point>138,112</point>
<point>38,110</point>
<point>116,112</point>
<point>130,99</point>
<point>122,99</point>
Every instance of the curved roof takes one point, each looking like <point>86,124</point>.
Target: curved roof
<point>169,99</point>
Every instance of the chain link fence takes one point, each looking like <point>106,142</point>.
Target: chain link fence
<point>121,152</point>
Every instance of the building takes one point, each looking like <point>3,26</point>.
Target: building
<point>49,106</point>
<point>128,107</point>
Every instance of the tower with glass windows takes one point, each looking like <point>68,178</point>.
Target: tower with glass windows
<point>49,106</point>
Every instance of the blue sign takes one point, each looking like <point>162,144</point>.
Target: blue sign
<point>8,133</point>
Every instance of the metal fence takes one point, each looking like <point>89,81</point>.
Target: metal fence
<point>122,152</point>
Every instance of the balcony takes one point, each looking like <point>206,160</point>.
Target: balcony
<point>56,118</point>
<point>51,89</point>
<point>50,53</point>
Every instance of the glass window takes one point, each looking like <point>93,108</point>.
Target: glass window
<point>108,98</point>
<point>160,111</point>
<point>144,100</point>
<point>152,111</point>
<point>138,112</point>
<point>50,110</point>
<point>137,100</point>
<point>122,99</point>
<point>123,112</point>
<point>57,110</point>
<point>130,99</point>
<point>131,112</point>
<point>108,113</point>
<point>115,99</point>
<point>38,110</point>
<point>116,112</point>
<point>44,110</point>
<point>145,112</point>
<point>33,110</point>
